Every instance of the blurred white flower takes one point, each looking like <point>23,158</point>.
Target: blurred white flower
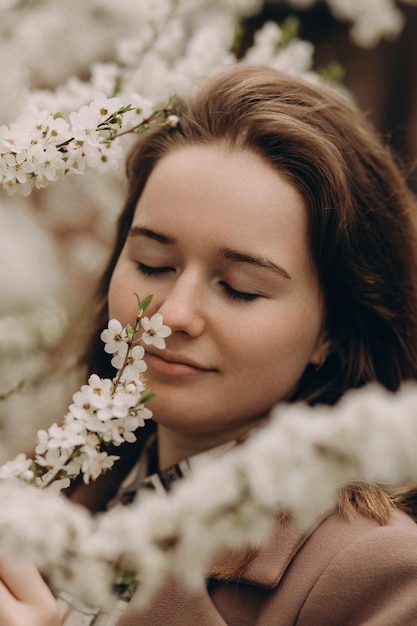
<point>18,467</point>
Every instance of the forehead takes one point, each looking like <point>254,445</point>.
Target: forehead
<point>232,198</point>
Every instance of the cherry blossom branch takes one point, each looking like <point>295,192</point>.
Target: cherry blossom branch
<point>103,412</point>
<point>39,148</point>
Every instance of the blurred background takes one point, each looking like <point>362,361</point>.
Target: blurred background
<point>57,56</point>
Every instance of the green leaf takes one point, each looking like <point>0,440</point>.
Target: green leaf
<point>147,395</point>
<point>125,109</point>
<point>130,331</point>
<point>143,304</point>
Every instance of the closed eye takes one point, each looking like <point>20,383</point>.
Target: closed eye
<point>234,294</point>
<point>149,270</point>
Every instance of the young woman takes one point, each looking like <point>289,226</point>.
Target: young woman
<point>279,241</point>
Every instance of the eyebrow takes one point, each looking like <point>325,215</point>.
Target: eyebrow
<point>256,260</point>
<point>141,231</point>
<point>226,253</point>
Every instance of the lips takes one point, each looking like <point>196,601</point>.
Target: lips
<point>171,363</point>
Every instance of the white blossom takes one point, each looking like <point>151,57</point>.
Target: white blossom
<point>19,467</point>
<point>44,163</point>
<point>135,358</point>
<point>94,463</point>
<point>114,337</point>
<point>155,331</point>
<point>84,125</point>
<point>141,110</point>
<point>17,137</point>
<point>68,436</point>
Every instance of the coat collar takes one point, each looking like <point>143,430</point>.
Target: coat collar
<point>274,557</point>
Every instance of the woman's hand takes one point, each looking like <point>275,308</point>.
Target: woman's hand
<point>25,599</point>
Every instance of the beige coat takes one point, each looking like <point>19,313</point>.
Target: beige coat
<point>344,573</point>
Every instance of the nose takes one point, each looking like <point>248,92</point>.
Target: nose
<point>183,305</point>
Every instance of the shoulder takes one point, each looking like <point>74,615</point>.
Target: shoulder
<point>360,572</point>
<point>338,533</point>
<point>289,548</point>
<point>370,547</point>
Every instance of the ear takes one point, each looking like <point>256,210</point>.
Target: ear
<point>322,351</point>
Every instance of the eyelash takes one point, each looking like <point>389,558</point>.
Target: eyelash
<point>240,296</point>
<point>147,270</point>
<point>233,294</point>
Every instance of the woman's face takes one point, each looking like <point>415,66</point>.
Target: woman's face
<point>221,241</point>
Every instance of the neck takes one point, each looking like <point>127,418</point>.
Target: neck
<point>174,447</point>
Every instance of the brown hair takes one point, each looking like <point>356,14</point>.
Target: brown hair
<point>361,215</point>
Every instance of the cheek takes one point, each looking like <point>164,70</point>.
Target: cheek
<point>122,302</point>
<point>284,352</point>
